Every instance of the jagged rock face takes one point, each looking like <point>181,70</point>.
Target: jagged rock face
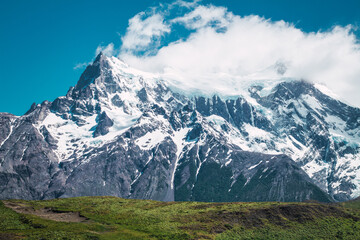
<point>27,161</point>
<point>104,123</point>
<point>125,133</point>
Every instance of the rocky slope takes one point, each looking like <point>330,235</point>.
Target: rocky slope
<point>126,133</point>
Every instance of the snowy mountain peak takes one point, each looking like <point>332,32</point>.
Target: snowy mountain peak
<point>124,132</point>
<point>99,57</point>
<point>91,72</point>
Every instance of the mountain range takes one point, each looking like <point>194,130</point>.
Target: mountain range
<point>127,133</point>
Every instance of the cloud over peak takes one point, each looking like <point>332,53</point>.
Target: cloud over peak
<point>207,47</point>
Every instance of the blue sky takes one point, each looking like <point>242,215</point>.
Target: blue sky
<point>42,41</point>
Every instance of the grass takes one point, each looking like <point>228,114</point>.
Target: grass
<point>117,218</point>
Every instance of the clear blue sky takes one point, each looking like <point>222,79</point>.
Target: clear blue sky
<point>42,41</point>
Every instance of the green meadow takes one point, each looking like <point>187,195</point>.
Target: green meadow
<point>118,218</point>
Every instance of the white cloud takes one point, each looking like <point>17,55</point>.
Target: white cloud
<point>143,31</point>
<point>186,4</point>
<point>246,48</point>
<point>202,16</point>
<point>80,65</point>
<point>107,50</point>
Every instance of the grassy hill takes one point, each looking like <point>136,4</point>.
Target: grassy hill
<point>117,218</point>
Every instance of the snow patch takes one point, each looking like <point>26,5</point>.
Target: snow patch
<point>255,132</point>
<point>254,166</point>
<point>150,139</point>
<point>179,140</point>
<point>10,132</point>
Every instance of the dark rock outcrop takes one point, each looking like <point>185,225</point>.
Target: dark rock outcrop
<point>104,123</point>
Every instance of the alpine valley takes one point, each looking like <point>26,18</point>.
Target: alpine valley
<point>126,133</point>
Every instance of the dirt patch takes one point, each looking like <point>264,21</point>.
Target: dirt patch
<point>46,213</point>
<point>9,236</point>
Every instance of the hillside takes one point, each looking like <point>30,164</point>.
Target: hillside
<point>118,218</point>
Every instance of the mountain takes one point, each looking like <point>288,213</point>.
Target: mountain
<point>127,133</point>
